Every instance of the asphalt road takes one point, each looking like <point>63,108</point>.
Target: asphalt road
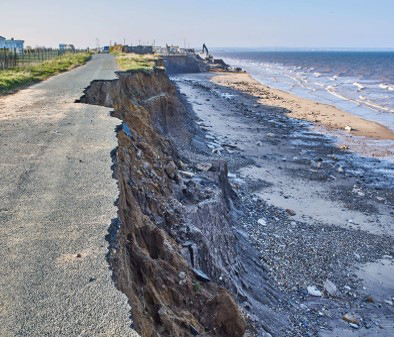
<point>56,203</point>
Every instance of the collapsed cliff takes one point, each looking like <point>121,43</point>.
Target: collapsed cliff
<point>175,251</point>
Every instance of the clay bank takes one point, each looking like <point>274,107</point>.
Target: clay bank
<point>201,251</point>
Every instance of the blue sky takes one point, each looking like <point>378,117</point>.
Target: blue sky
<point>218,23</point>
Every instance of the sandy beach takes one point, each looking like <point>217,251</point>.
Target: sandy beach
<point>327,116</point>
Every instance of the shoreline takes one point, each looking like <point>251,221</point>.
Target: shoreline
<point>314,211</point>
<point>328,116</point>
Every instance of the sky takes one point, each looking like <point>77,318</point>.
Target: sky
<point>218,23</point>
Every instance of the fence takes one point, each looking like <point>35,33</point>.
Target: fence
<point>11,59</point>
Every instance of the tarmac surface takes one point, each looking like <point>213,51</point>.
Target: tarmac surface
<point>57,199</point>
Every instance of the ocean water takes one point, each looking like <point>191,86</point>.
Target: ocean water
<point>361,83</point>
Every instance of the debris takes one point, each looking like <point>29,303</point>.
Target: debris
<point>262,222</point>
<point>313,291</point>
<point>187,174</point>
<point>354,326</point>
<point>205,167</point>
<point>330,287</point>
<point>200,275</point>
<point>389,302</point>
<point>350,318</point>
<point>348,128</point>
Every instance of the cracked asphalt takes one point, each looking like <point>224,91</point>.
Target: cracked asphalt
<point>57,199</point>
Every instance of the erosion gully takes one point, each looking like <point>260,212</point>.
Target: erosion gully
<point>235,220</point>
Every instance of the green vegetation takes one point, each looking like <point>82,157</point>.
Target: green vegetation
<point>130,61</point>
<point>13,78</point>
<point>196,286</point>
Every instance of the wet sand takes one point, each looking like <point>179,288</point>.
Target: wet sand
<point>301,108</point>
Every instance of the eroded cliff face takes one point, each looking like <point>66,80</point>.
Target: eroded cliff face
<point>176,254</point>
<point>166,296</point>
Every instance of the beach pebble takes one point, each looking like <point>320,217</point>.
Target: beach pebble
<point>290,212</point>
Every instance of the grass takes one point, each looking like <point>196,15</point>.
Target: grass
<point>12,79</point>
<point>130,61</point>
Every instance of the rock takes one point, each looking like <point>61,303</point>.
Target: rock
<point>389,302</point>
<point>170,169</point>
<point>313,291</point>
<point>259,143</point>
<point>182,278</point>
<point>369,299</point>
<point>210,137</point>
<point>354,326</point>
<point>270,134</point>
<point>205,167</point>
<point>330,287</point>
<point>340,169</point>
<point>344,147</point>
<point>348,128</point>
<point>350,318</point>
<point>261,222</point>
<point>290,212</point>
<point>200,275</point>
<point>187,174</point>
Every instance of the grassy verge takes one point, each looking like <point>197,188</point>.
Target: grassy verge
<point>12,79</point>
<point>130,61</point>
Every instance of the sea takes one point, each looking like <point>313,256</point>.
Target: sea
<point>359,82</point>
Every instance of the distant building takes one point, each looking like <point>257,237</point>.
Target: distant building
<point>13,45</point>
<point>68,47</point>
<point>138,49</point>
